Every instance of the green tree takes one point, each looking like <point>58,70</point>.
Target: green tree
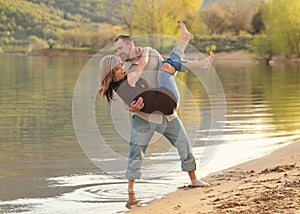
<point>261,45</point>
<point>159,16</point>
<point>36,44</point>
<point>50,43</point>
<point>284,27</point>
<point>281,37</point>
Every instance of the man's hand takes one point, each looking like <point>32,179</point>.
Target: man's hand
<point>166,67</point>
<point>136,105</point>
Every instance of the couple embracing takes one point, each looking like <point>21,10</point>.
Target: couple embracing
<point>145,82</point>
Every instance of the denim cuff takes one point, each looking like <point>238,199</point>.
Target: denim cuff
<point>177,55</point>
<point>178,52</point>
<point>188,165</point>
<point>184,66</point>
<point>132,174</point>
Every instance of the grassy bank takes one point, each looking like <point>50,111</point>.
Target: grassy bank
<point>222,43</point>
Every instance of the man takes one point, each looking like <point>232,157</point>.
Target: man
<point>144,125</point>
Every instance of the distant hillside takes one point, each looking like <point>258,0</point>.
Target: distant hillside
<point>22,18</point>
<point>90,10</point>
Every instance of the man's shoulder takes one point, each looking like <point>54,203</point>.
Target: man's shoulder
<point>153,53</point>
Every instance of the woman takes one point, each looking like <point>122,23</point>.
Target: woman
<point>131,86</point>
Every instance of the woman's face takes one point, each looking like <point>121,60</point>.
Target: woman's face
<point>119,72</point>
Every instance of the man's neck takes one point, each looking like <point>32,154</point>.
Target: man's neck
<point>133,59</point>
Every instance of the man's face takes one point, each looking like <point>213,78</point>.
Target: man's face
<point>123,49</point>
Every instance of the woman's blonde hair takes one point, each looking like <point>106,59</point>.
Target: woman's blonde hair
<point>106,67</point>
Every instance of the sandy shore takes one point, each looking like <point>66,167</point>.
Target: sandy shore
<point>266,185</point>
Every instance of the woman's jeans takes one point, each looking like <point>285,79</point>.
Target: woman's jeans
<point>167,80</point>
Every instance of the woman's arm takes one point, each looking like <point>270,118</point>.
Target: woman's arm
<point>135,75</point>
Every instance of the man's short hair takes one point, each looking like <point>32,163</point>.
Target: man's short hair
<point>125,38</point>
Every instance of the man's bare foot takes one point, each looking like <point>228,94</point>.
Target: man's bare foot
<point>131,200</point>
<point>185,34</point>
<point>199,183</point>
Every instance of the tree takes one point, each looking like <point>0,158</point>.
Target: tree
<point>261,45</point>
<point>36,44</point>
<point>240,14</point>
<point>214,17</point>
<point>50,43</point>
<point>281,37</point>
<point>284,27</point>
<point>258,22</point>
<point>229,15</point>
<point>159,16</point>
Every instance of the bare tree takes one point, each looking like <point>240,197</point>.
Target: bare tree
<point>215,17</point>
<point>240,14</point>
<point>230,15</point>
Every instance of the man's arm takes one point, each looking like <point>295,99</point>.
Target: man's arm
<point>135,105</point>
<point>166,67</point>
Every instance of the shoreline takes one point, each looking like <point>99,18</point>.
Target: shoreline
<point>220,57</point>
<point>270,184</point>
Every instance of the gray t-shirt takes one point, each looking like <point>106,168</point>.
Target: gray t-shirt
<point>150,75</point>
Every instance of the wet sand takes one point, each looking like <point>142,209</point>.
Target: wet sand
<point>270,184</point>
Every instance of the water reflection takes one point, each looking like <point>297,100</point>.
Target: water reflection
<point>267,94</point>
<point>42,166</point>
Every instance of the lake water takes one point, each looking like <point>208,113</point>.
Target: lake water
<point>44,169</point>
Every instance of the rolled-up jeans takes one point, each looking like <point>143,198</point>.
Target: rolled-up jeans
<point>141,134</point>
<point>167,80</point>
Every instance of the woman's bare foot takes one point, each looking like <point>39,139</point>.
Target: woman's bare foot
<point>209,60</point>
<point>185,34</point>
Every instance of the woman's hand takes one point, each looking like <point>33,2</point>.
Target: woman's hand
<point>145,55</point>
<point>138,51</point>
<point>135,75</point>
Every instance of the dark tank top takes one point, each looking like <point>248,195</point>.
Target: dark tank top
<point>155,99</point>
